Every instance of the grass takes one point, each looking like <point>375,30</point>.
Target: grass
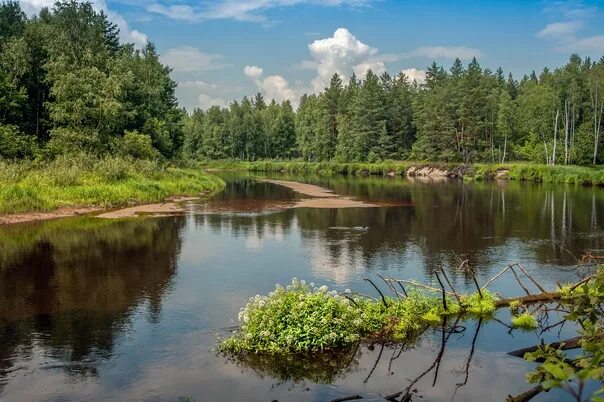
<point>85,180</point>
<point>302,318</point>
<point>579,175</point>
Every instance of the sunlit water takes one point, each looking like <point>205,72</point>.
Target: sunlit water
<point>92,309</point>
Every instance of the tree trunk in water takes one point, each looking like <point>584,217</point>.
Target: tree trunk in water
<point>555,137</point>
<point>566,127</point>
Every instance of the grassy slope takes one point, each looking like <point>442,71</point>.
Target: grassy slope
<point>517,171</point>
<point>88,181</point>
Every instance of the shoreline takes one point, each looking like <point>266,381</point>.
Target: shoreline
<point>577,175</point>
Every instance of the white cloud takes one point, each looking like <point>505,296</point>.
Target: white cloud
<point>565,34</point>
<point>445,52</point>
<point>190,59</point>
<point>254,72</point>
<point>272,87</point>
<point>342,53</point>
<point>558,29</point>
<point>415,75</point>
<point>206,101</point>
<point>592,44</point>
<point>377,67</point>
<point>276,87</point>
<point>239,10</point>
<point>127,34</point>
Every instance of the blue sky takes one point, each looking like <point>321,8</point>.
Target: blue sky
<point>221,50</point>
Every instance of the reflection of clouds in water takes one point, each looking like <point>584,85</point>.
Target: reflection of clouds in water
<point>257,236</point>
<point>334,260</point>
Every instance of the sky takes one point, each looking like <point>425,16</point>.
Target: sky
<point>222,50</point>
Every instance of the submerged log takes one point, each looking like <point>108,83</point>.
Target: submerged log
<point>540,297</point>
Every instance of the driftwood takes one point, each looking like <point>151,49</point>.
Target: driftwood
<point>525,396</point>
<point>540,297</point>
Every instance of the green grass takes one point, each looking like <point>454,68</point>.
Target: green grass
<point>302,318</point>
<point>85,180</point>
<point>579,175</point>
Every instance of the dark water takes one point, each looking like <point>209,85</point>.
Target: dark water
<point>101,310</point>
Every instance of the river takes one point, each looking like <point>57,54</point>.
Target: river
<point>94,309</point>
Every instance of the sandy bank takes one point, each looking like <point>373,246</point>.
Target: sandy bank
<point>323,198</point>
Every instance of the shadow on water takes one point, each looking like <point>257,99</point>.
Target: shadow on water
<point>70,287</point>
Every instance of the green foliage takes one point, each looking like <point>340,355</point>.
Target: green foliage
<point>85,180</point>
<point>524,321</point>
<point>302,318</point>
<point>16,145</point>
<point>557,369</point>
<point>578,175</point>
<point>66,81</point>
<point>137,146</point>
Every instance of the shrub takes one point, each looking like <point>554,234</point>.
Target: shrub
<point>16,145</point>
<point>137,145</point>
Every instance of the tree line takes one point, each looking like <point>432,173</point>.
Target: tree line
<point>465,113</point>
<point>67,84</point>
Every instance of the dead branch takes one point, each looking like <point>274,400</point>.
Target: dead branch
<point>531,278</point>
<point>451,285</point>
<point>541,297</point>
<point>379,291</point>
<point>495,277</point>
<point>567,344</point>
<point>519,281</point>
<point>525,396</point>
<point>443,289</point>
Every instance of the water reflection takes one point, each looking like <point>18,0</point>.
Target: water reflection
<point>70,287</point>
<point>96,309</point>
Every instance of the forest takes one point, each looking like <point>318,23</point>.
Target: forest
<point>464,114</point>
<point>68,85</point>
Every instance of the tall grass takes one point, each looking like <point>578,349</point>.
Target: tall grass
<point>580,175</point>
<point>85,180</point>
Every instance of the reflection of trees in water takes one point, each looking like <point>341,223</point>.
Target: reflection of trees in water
<point>319,368</point>
<point>259,225</point>
<point>465,219</point>
<point>71,289</point>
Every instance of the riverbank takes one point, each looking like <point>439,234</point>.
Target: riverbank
<point>581,175</point>
<point>71,186</point>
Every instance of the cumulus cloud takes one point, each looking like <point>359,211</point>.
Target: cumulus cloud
<point>190,59</point>
<point>206,101</point>
<point>343,53</point>
<point>238,10</point>
<point>272,87</point>
<point>276,87</point>
<point>591,44</point>
<point>254,72</point>
<point>415,75</point>
<point>445,52</point>
<point>127,34</point>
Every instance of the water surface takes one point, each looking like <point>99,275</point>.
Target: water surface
<point>92,309</point>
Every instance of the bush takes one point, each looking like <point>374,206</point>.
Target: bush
<point>65,140</point>
<point>137,145</point>
<point>16,145</point>
<point>302,318</point>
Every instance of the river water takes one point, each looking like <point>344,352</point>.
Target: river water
<point>94,309</point>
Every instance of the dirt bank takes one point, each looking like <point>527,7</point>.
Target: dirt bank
<point>43,216</point>
<point>322,197</point>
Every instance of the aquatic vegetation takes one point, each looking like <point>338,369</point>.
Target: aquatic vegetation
<point>583,303</point>
<point>301,318</point>
<point>524,321</point>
